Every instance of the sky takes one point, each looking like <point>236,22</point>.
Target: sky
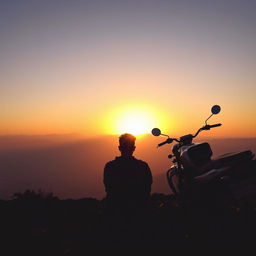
<point>92,66</point>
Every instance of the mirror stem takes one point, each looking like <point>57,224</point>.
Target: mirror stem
<point>208,119</point>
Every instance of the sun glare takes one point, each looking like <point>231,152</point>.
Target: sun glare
<point>136,120</point>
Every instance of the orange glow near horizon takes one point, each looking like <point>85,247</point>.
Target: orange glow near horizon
<point>133,116</point>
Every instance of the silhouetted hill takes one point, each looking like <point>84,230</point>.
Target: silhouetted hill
<point>36,223</point>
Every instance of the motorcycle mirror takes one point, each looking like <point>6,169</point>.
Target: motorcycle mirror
<point>216,109</point>
<point>156,132</point>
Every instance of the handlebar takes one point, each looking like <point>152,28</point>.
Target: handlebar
<point>214,125</point>
<point>169,140</point>
<point>206,127</point>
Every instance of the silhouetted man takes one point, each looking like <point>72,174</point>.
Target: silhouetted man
<point>127,180</point>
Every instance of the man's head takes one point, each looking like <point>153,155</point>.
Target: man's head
<point>127,144</point>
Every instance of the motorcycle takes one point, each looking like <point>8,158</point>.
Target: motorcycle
<point>195,177</point>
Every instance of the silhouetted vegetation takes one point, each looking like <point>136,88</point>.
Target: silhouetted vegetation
<point>39,223</point>
<point>33,195</point>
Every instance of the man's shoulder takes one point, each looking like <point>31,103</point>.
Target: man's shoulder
<point>111,162</point>
<point>118,160</point>
<point>142,163</point>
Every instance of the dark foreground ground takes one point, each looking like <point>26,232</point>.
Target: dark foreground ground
<point>38,224</point>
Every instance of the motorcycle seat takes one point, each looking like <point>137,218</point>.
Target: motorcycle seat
<point>229,159</point>
<point>235,157</point>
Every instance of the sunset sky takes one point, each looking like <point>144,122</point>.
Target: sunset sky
<point>97,67</point>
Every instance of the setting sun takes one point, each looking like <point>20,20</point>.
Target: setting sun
<point>135,122</point>
<point>136,119</point>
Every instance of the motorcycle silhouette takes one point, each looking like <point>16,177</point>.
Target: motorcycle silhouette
<point>195,176</point>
